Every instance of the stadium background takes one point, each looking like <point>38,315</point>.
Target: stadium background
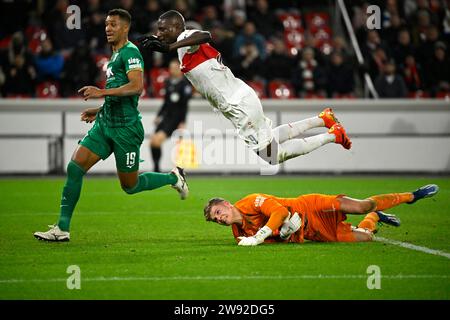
<point>299,58</point>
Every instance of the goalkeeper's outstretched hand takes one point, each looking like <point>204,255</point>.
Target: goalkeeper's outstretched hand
<point>258,238</point>
<point>249,241</point>
<point>153,43</point>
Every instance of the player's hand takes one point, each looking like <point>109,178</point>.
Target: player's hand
<point>91,92</point>
<point>290,226</point>
<point>258,238</point>
<point>89,115</point>
<point>249,241</point>
<point>153,43</point>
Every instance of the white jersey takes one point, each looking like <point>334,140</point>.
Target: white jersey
<point>231,96</point>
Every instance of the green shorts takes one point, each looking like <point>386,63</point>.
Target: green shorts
<point>124,142</point>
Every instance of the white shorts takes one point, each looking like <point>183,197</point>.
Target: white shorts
<point>252,125</point>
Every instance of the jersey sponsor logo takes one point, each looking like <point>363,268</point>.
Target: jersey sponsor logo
<point>109,72</point>
<point>134,61</point>
<point>135,66</point>
<point>259,200</point>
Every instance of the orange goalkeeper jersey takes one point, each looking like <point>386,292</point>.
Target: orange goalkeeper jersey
<point>258,210</point>
<point>321,217</point>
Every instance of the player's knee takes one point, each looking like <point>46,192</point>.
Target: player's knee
<point>156,141</point>
<point>367,205</point>
<point>362,235</point>
<point>128,189</point>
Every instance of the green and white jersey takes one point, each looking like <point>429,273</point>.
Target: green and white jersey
<point>121,111</point>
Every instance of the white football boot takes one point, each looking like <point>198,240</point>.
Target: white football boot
<point>181,186</point>
<point>54,234</point>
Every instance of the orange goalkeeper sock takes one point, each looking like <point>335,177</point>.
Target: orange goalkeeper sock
<point>369,222</point>
<point>386,201</point>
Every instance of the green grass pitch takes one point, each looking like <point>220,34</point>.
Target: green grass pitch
<point>153,246</point>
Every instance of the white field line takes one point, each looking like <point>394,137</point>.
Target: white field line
<point>413,247</point>
<point>227,278</point>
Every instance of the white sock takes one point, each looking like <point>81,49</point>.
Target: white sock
<point>297,147</point>
<point>294,129</point>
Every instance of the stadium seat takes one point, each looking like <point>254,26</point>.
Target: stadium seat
<point>281,90</point>
<point>313,95</point>
<point>145,92</point>
<point>344,96</point>
<point>35,35</point>
<point>443,95</point>
<point>418,94</point>
<point>294,40</point>
<point>101,61</point>
<point>317,20</point>
<point>290,21</point>
<point>4,43</point>
<point>48,90</point>
<point>259,88</point>
<point>157,77</point>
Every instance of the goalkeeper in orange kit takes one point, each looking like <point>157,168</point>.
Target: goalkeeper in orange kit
<point>259,218</point>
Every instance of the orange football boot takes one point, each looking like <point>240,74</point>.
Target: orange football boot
<point>341,136</point>
<point>328,117</point>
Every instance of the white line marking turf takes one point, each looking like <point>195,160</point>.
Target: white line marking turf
<point>413,247</point>
<point>226,278</point>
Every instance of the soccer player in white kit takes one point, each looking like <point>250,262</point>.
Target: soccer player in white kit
<point>238,102</point>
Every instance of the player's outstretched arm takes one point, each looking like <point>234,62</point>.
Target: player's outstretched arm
<point>196,38</point>
<point>153,43</point>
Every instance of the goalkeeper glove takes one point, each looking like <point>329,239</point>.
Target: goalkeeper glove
<point>153,43</point>
<point>258,238</point>
<point>290,226</point>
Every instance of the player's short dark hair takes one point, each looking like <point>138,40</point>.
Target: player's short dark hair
<point>207,210</point>
<point>175,16</point>
<point>122,13</point>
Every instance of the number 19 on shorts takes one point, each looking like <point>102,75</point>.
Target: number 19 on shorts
<point>131,159</point>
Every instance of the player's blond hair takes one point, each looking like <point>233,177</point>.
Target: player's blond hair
<point>207,210</point>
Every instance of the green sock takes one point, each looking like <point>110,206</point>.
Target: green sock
<point>152,180</point>
<point>70,194</point>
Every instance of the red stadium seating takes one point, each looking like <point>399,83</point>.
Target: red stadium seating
<point>344,96</point>
<point>157,77</point>
<point>259,88</point>
<point>313,95</point>
<point>317,20</point>
<point>48,89</point>
<point>101,61</point>
<point>294,40</point>
<point>35,35</point>
<point>418,94</point>
<point>281,90</point>
<point>290,21</point>
<point>443,95</point>
<point>4,43</point>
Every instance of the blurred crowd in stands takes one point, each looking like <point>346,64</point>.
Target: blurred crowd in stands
<point>283,48</point>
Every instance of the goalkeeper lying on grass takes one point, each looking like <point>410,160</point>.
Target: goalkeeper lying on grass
<point>259,218</point>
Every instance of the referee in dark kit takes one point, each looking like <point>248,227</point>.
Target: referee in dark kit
<point>172,114</point>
